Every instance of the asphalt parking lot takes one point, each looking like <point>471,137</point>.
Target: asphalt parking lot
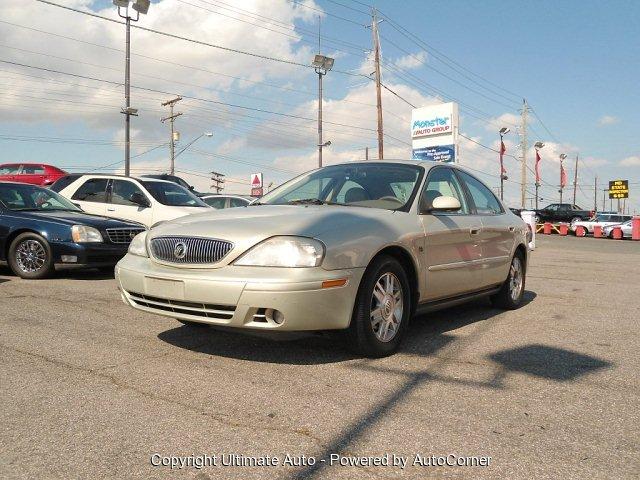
<point>92,388</point>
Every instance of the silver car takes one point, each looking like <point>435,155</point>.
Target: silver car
<point>360,246</point>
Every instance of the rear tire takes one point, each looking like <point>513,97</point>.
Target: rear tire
<point>30,256</point>
<point>510,295</point>
<point>382,310</point>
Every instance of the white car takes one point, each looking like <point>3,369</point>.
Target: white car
<point>143,200</point>
<point>601,219</point>
<point>219,201</point>
<point>626,228</point>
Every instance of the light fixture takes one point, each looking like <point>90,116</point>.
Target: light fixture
<point>504,130</point>
<point>141,6</point>
<point>325,144</point>
<point>208,134</point>
<point>121,3</point>
<point>322,62</point>
<point>563,156</point>
<point>130,111</point>
<point>539,145</point>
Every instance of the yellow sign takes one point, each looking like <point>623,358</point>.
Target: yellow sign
<point>619,189</point>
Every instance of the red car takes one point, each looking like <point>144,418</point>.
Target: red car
<point>33,173</point>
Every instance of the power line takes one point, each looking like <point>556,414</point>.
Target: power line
<point>198,42</point>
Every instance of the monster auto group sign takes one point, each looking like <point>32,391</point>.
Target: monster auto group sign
<point>434,132</point>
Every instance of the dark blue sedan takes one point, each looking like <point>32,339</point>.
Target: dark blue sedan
<point>41,231</point>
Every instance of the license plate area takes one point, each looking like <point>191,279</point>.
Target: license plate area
<point>162,287</point>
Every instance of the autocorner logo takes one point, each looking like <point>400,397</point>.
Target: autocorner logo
<point>434,126</point>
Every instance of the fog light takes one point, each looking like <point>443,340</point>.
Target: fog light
<point>69,258</point>
<point>274,316</point>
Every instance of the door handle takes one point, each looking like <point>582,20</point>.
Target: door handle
<point>512,228</point>
<point>474,230</point>
<point>111,209</point>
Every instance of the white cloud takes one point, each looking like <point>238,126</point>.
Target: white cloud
<point>633,161</point>
<point>411,61</point>
<point>509,120</point>
<point>608,120</point>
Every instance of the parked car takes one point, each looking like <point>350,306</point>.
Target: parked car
<point>380,241</point>
<point>40,230</point>
<point>33,173</point>
<point>601,219</point>
<point>626,228</point>
<point>562,212</point>
<point>226,201</point>
<point>144,200</point>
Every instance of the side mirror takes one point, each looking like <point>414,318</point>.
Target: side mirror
<point>445,204</point>
<point>139,199</point>
<point>192,188</point>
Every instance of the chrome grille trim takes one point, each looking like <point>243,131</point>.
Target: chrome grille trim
<point>200,250</point>
<point>122,235</point>
<point>219,312</point>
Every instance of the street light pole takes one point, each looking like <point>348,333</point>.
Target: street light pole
<point>322,65</point>
<point>503,131</point>
<point>140,7</point>
<point>538,145</point>
<point>204,134</point>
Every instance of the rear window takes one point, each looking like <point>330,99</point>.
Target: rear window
<point>9,169</point>
<point>63,182</point>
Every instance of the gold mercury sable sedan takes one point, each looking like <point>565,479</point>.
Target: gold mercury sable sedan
<point>360,246</point>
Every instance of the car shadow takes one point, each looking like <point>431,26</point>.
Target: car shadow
<point>425,335</point>
<point>81,274</point>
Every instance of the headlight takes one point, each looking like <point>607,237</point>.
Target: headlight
<point>84,234</point>
<point>284,252</point>
<point>138,245</point>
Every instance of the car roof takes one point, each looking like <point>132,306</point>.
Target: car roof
<point>109,175</point>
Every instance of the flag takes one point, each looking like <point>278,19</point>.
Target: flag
<point>503,150</point>
<point>537,167</point>
<point>563,176</point>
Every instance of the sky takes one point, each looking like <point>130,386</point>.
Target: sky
<point>573,61</point>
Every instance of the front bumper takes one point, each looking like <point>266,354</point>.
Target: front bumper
<point>87,254</point>
<point>240,297</point>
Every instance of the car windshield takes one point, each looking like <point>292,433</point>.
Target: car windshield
<point>172,194</point>
<point>390,186</point>
<point>29,197</point>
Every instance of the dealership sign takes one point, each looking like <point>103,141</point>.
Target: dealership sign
<point>434,133</point>
<point>619,189</point>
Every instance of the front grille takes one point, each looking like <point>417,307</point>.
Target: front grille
<point>207,310</point>
<point>189,250</point>
<point>122,235</point>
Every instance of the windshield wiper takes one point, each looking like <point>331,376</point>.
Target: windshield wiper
<point>311,201</point>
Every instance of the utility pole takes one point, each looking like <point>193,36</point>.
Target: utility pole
<point>575,180</point>
<point>376,58</point>
<point>604,199</point>
<point>523,144</point>
<point>595,195</point>
<point>366,153</point>
<point>171,118</point>
<point>218,181</point>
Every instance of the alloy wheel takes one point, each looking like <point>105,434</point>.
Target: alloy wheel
<point>516,279</point>
<point>386,307</point>
<point>30,256</point>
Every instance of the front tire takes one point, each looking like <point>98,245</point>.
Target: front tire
<point>382,309</point>
<point>30,256</point>
<point>510,295</point>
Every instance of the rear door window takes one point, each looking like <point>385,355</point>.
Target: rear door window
<point>238,202</point>
<point>484,200</point>
<point>93,190</point>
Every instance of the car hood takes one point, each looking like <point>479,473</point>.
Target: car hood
<point>344,230</point>
<point>79,218</point>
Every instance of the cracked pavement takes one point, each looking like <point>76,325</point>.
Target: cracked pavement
<point>92,388</point>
